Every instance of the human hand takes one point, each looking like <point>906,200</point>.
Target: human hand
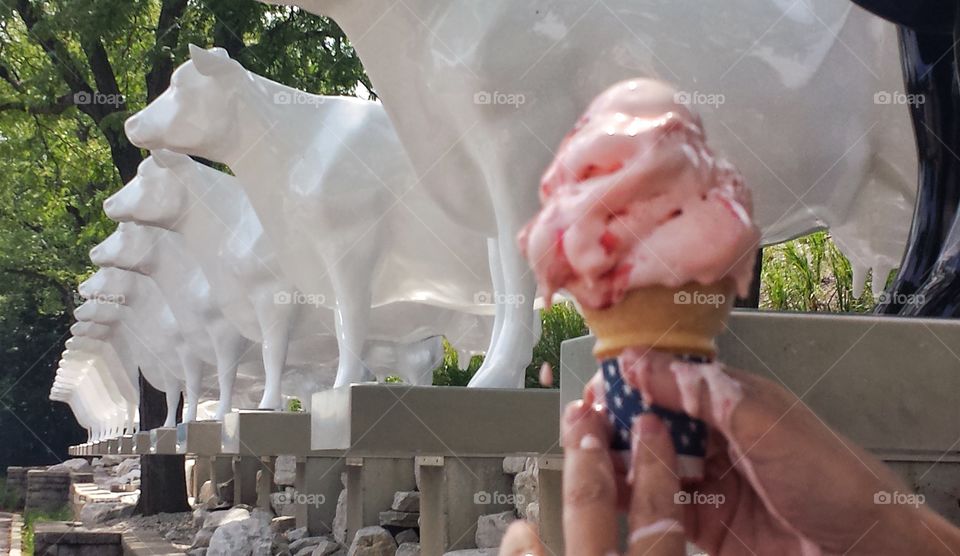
<point>786,482</point>
<point>595,489</point>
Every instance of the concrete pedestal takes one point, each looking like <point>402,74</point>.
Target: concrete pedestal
<point>384,419</point>
<point>113,446</point>
<point>454,493</point>
<point>245,470</point>
<point>459,436</point>
<point>265,481</point>
<point>266,433</point>
<point>126,445</point>
<point>201,474</point>
<point>141,443</point>
<point>318,483</point>
<point>550,479</point>
<point>371,484</point>
<point>163,441</point>
<point>200,438</point>
<point>221,471</point>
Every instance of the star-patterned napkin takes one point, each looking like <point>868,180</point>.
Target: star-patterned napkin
<point>624,404</point>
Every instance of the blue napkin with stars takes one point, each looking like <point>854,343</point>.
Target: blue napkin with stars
<point>624,404</point>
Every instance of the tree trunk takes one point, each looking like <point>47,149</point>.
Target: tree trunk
<point>163,481</point>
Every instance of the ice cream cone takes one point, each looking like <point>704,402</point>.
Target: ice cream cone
<point>684,320</point>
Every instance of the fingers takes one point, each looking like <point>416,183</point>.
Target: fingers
<point>594,396</point>
<point>593,392</point>
<point>589,489</point>
<point>655,518</point>
<point>521,539</point>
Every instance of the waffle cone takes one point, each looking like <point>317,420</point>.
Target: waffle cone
<point>683,320</point>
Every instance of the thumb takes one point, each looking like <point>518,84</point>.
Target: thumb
<point>707,391</point>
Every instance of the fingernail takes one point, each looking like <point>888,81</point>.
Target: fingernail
<point>575,411</point>
<point>590,442</point>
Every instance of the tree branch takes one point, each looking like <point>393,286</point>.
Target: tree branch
<point>167,36</point>
<point>58,106</point>
<point>10,76</point>
<point>56,51</point>
<point>66,293</point>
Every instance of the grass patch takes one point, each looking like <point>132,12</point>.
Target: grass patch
<point>811,274</point>
<point>560,322</point>
<point>8,500</point>
<point>33,517</point>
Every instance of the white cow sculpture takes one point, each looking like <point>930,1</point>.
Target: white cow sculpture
<point>334,192</point>
<point>96,339</point>
<point>84,367</point>
<point>83,390</point>
<point>162,256</point>
<point>148,346</point>
<point>141,294</point>
<point>75,357</point>
<point>211,212</point>
<point>805,97</point>
<point>78,406</point>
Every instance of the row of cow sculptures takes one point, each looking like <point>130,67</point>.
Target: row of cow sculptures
<point>352,235</point>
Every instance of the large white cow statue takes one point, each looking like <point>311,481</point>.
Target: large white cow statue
<point>805,97</point>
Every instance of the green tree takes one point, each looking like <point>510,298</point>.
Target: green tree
<point>71,72</point>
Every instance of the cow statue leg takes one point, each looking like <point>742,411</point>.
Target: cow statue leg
<point>131,425</point>
<point>505,365</point>
<point>351,278</point>
<point>496,275</point>
<point>193,369</point>
<point>229,349</point>
<point>173,388</point>
<point>275,321</point>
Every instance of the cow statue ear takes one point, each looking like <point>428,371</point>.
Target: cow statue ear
<point>212,62</point>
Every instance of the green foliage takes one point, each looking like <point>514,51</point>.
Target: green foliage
<point>449,372</point>
<point>558,323</point>
<point>295,405</point>
<point>60,158</point>
<point>33,517</point>
<point>810,274</point>
<point>8,500</point>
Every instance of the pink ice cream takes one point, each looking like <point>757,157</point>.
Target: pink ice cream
<point>636,198</point>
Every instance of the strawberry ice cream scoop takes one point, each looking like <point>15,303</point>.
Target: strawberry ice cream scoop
<point>636,198</point>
